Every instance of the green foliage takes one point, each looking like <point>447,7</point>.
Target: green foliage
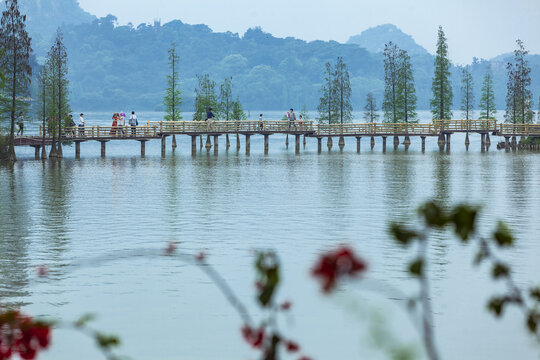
<point>487,100</point>
<point>519,100</point>
<point>370,109</point>
<point>173,96</point>
<point>107,342</point>
<point>328,104</point>
<point>500,271</point>
<point>343,91</point>
<point>401,234</point>
<point>267,267</point>
<point>237,112</point>
<point>205,97</point>
<point>433,214</point>
<point>84,320</point>
<point>464,219</point>
<point>441,101</point>
<point>502,235</point>
<point>225,100</point>
<point>467,93</point>
<point>304,112</point>
<point>416,268</point>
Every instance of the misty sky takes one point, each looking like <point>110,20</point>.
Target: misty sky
<point>481,28</point>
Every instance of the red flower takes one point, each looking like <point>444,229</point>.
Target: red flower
<point>336,264</point>
<point>291,346</point>
<point>200,257</point>
<point>254,337</point>
<point>171,248</point>
<point>19,334</point>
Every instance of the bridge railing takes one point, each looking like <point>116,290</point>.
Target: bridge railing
<point>233,126</point>
<point>519,129</point>
<point>374,129</point>
<point>94,132</point>
<point>465,125</point>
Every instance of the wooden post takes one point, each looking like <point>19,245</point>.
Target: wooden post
<point>43,152</point>
<point>163,145</point>
<point>237,141</point>
<point>248,144</point>
<point>358,139</point>
<point>423,143</point>
<point>319,145</point>
<point>77,149</point>
<point>514,143</point>
<point>228,142</point>
<point>488,141</point>
<point>441,141</point>
<point>407,141</point>
<point>341,142</point>
<point>297,143</point>
<point>287,141</point>
<point>329,143</point>
<point>36,151</point>
<point>483,141</point>
<point>304,140</point>
<point>200,141</point>
<point>384,143</point>
<point>396,142</point>
<point>467,141</point>
<point>193,144</point>
<point>103,148</point>
<point>507,143</point>
<point>143,148</point>
<point>174,142</point>
<point>448,141</point>
<point>372,142</point>
<point>216,142</point>
<point>208,145</point>
<point>266,143</point>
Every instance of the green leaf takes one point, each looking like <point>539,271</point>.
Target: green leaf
<point>500,271</point>
<point>107,341</point>
<point>503,236</point>
<point>416,267</point>
<point>267,268</point>
<point>402,235</point>
<point>532,321</point>
<point>464,219</point>
<point>433,214</point>
<point>83,320</point>
<point>535,293</point>
<point>496,305</point>
<point>480,256</point>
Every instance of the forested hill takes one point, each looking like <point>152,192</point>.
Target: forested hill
<point>113,67</point>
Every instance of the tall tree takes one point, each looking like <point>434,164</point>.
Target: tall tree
<point>370,110</point>
<point>328,104</point>
<point>343,91</point>
<point>512,95</point>
<point>173,97</point>
<point>391,82</point>
<point>467,93</point>
<point>441,101</point>
<point>487,99</point>
<point>237,112</point>
<point>225,99</point>
<point>205,97</point>
<point>523,82</point>
<point>58,73</point>
<point>406,97</point>
<point>42,102</point>
<point>15,62</point>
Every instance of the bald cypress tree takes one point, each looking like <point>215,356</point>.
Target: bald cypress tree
<point>406,97</point>
<point>487,100</point>
<point>173,97</point>
<point>441,102</point>
<point>15,64</point>
<point>391,82</point>
<point>343,91</point>
<point>370,110</point>
<point>328,104</point>
<point>467,93</point>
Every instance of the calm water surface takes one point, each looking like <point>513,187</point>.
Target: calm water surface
<point>80,212</point>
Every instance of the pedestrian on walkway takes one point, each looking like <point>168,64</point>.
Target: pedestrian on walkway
<point>122,124</point>
<point>133,123</point>
<point>20,124</point>
<point>292,118</point>
<point>81,125</point>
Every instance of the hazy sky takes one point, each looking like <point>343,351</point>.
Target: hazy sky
<point>481,28</point>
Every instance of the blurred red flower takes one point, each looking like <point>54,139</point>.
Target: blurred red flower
<point>335,265</point>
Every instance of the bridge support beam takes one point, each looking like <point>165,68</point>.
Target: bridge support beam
<point>467,141</point>
<point>341,142</point>
<point>514,143</point>
<point>488,141</point>
<point>319,145</point>
<point>329,143</point>
<point>483,142</point>
<point>304,140</point>
<point>441,140</point>
<point>216,137</point>
<point>372,142</point>
<point>423,143</point>
<point>358,140</point>
<point>287,141</point>
<point>208,145</point>
<point>36,151</point>
<point>143,148</point>
<point>396,142</point>
<point>77,149</point>
<point>266,136</point>
<point>507,143</point>
<point>237,142</point>
<point>163,145</point>
<point>384,143</point>
<point>248,144</point>
<point>43,152</point>
<point>407,142</point>
<point>227,142</point>
<point>193,144</point>
<point>297,143</point>
<point>448,136</point>
<point>174,146</point>
<point>103,148</point>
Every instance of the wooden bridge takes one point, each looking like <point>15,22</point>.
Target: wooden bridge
<point>443,129</point>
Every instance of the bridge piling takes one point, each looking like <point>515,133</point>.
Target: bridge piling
<point>341,142</point>
<point>384,144</point>
<point>358,139</point>
<point>248,144</point>
<point>514,142</point>
<point>163,146</point>
<point>103,148</point>
<point>304,141</point>
<point>423,143</point>
<point>319,145</point>
<point>36,151</point>
<point>216,143</point>
<point>329,143</point>
<point>396,142</point>
<point>448,137</point>
<point>407,141</point>
<point>208,145</point>
<point>77,149</point>
<point>287,141</point>
<point>174,146</point>
<point>488,141</point>
<point>266,136</point>
<point>193,144</point>
<point>507,143</point>
<point>297,143</point>
<point>143,148</point>
<point>227,142</point>
<point>372,143</point>
<point>200,141</point>
<point>237,142</point>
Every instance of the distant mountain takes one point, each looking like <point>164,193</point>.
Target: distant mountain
<point>43,17</point>
<point>374,39</point>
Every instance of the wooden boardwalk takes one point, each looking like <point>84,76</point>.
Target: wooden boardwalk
<point>443,129</point>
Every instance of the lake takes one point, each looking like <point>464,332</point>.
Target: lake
<point>98,223</point>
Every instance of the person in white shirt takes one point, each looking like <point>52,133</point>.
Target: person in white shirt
<point>133,123</point>
<point>122,123</point>
<point>81,124</point>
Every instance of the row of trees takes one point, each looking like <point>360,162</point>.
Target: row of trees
<point>335,103</point>
<point>225,106</point>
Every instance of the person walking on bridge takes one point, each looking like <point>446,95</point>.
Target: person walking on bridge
<point>122,124</point>
<point>133,123</point>
<point>292,118</point>
<point>20,124</point>
<point>81,125</point>
<point>114,124</point>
